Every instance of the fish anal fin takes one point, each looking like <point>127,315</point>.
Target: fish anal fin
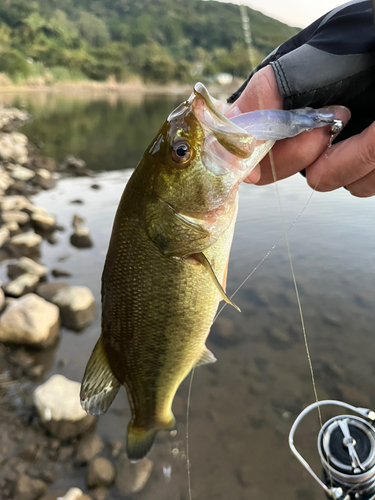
<point>206,357</point>
<point>140,440</point>
<point>202,259</point>
<point>99,385</point>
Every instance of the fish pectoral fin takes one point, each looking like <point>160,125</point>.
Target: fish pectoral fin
<point>202,259</point>
<point>206,357</point>
<point>99,385</point>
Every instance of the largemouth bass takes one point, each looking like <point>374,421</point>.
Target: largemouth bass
<point>166,266</point>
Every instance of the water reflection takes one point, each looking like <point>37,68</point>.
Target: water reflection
<point>242,407</point>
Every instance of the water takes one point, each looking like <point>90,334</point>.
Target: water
<point>243,406</point>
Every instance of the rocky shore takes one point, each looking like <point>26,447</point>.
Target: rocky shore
<point>44,433</point>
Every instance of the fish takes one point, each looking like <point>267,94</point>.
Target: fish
<point>166,267</point>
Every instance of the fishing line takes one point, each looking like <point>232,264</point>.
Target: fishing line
<point>187,434</point>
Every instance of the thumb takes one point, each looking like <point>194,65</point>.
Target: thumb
<point>260,93</point>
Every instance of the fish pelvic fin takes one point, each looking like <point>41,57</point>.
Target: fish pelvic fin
<point>99,385</point>
<point>202,259</point>
<point>140,440</point>
<point>206,357</point>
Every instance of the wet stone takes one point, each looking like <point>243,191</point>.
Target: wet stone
<point>26,265</point>
<point>100,493</point>
<point>15,216</point>
<point>25,243</point>
<point>44,222</point>
<point>115,448</point>
<point>23,284</point>
<point>20,173</point>
<point>81,238</point>
<point>59,408</point>
<point>30,320</point>
<point>100,472</point>
<point>28,488</point>
<point>77,202</point>
<point>13,228</point>
<point>49,290</point>
<point>89,446</point>
<point>4,235</point>
<point>44,179</point>
<point>60,273</point>
<point>132,477</point>
<point>15,202</point>
<point>44,162</point>
<point>77,306</point>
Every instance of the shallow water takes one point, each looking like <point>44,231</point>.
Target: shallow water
<point>243,406</point>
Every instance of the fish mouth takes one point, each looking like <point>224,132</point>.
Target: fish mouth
<point>227,147</point>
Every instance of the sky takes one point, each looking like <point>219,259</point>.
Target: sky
<point>294,12</point>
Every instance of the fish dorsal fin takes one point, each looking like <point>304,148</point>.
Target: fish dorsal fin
<point>99,385</point>
<point>202,259</point>
<point>206,357</point>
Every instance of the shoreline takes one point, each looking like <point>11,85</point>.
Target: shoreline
<point>116,88</point>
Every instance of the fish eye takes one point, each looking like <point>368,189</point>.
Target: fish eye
<point>181,151</point>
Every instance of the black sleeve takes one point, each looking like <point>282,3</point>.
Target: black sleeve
<point>332,61</point>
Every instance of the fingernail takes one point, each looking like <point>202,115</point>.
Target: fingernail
<point>342,113</point>
<point>233,111</point>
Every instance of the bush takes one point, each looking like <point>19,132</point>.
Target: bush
<point>14,64</point>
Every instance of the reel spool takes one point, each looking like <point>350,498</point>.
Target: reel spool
<point>346,446</point>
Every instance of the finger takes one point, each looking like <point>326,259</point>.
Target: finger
<point>254,176</point>
<point>344,163</point>
<point>363,188</point>
<point>260,93</point>
<point>293,155</point>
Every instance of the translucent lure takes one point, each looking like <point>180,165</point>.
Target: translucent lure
<point>276,124</point>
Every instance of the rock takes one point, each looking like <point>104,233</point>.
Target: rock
<point>5,180</point>
<point>77,221</point>
<point>24,188</point>
<point>4,235</point>
<point>100,493</point>
<point>21,285</point>
<point>13,228</point>
<point>72,494</point>
<point>225,334</point>
<point>95,186</point>
<point>12,117</point>
<point>20,173</point>
<point>132,477</point>
<point>28,488</point>
<point>15,202</point>
<point>71,162</point>
<point>59,408</point>
<point>44,179</point>
<point>15,216</point>
<point>49,290</point>
<point>13,147</point>
<point>30,320</point>
<point>77,202</point>
<point>77,306</point>
<point>115,448</point>
<point>100,472</point>
<point>26,265</point>
<point>44,162</point>
<point>25,243</point>
<point>60,273</point>
<point>89,446</point>
<point>2,299</point>
<point>44,222</point>
<point>81,238</point>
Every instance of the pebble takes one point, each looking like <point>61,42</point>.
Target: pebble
<point>4,235</point>
<point>132,477</point>
<point>100,472</point>
<point>2,299</point>
<point>30,320</point>
<point>13,147</point>
<point>81,238</point>
<point>100,493</point>
<point>25,243</point>
<point>60,273</point>
<point>26,265</point>
<point>21,285</point>
<point>45,222</point>
<point>15,216</point>
<point>89,446</point>
<point>59,408</point>
<point>13,228</point>
<point>12,117</point>
<point>44,162</point>
<point>28,488</point>
<point>49,290</point>
<point>15,202</point>
<point>20,173</point>
<point>77,306</point>
<point>44,179</point>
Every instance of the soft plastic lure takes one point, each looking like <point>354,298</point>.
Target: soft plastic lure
<point>276,124</point>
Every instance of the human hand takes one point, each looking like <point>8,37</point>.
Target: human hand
<point>350,163</point>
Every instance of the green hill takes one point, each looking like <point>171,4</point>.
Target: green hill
<point>158,40</point>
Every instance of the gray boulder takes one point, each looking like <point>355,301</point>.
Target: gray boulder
<point>132,477</point>
<point>22,284</point>
<point>59,408</point>
<point>77,306</point>
<point>30,320</point>
<point>100,472</point>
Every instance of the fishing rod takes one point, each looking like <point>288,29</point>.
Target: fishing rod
<point>346,448</point>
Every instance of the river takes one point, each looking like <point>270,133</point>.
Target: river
<point>243,406</point>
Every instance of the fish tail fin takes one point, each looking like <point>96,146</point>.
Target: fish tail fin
<point>139,440</point>
<point>99,385</point>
